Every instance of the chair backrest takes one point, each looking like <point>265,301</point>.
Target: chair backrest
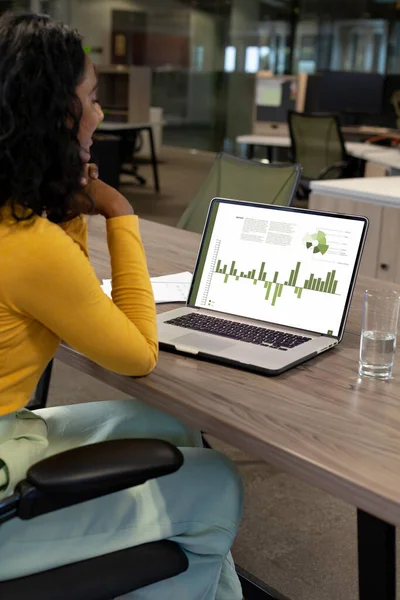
<point>241,179</point>
<point>317,141</point>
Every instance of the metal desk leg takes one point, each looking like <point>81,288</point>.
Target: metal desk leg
<point>250,151</point>
<point>376,558</point>
<point>254,589</point>
<point>154,160</point>
<point>42,389</point>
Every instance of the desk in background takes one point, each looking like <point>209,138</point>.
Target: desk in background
<point>317,422</point>
<point>384,163</point>
<point>378,199</point>
<point>366,132</point>
<point>269,142</point>
<point>359,133</point>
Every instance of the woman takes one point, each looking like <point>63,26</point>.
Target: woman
<point>48,291</point>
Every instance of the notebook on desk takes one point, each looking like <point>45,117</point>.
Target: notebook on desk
<point>271,289</point>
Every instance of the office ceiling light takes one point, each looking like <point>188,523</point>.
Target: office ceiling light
<point>252,61</point>
<point>230,59</point>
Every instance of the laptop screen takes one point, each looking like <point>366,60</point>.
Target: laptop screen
<point>281,265</point>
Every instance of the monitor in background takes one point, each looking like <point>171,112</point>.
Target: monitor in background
<point>274,98</point>
<point>269,92</point>
<point>351,93</point>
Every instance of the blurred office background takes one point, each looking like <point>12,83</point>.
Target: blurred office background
<point>195,62</point>
<point>204,54</point>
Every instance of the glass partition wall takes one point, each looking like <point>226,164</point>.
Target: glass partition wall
<point>204,54</point>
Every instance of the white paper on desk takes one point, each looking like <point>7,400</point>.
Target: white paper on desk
<point>171,288</point>
<point>167,288</point>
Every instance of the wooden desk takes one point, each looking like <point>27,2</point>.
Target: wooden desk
<point>318,421</point>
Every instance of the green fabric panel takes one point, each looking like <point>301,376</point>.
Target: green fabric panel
<point>239,179</point>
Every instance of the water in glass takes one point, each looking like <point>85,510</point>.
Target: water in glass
<point>377,353</point>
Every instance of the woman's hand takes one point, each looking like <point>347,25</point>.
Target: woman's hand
<point>91,174</point>
<point>107,201</point>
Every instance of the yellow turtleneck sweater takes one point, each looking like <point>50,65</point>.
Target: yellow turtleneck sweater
<point>49,292</point>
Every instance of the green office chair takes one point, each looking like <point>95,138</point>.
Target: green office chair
<point>318,145</point>
<point>241,179</point>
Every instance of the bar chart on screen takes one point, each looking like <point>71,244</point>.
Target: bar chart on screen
<point>274,287</point>
<point>284,267</point>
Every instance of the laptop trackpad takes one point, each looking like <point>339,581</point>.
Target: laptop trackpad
<point>206,344</point>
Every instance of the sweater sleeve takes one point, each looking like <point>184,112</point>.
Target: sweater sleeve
<point>59,288</point>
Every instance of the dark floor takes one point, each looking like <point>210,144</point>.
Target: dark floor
<point>295,537</point>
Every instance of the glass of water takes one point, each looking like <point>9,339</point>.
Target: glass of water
<point>379,333</point>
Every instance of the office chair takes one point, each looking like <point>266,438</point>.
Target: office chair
<point>39,398</point>
<point>131,144</point>
<point>395,100</point>
<point>105,153</point>
<point>318,145</point>
<point>79,475</point>
<point>241,179</point>
<point>114,153</point>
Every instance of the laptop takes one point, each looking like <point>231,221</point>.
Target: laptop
<point>271,288</point>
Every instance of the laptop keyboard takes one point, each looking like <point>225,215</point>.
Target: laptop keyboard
<point>280,340</point>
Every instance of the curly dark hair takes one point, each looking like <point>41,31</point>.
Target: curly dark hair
<point>41,64</point>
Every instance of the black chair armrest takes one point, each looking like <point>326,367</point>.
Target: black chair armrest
<point>340,167</point>
<point>99,467</point>
<point>92,471</point>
